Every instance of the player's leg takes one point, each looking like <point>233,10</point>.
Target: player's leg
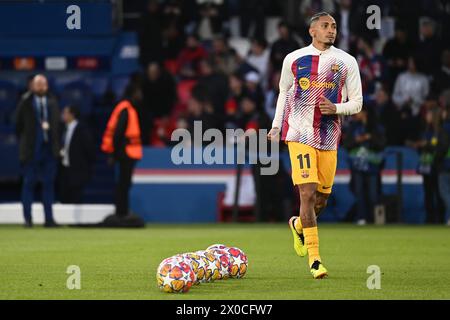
<point>321,202</point>
<point>326,170</point>
<point>310,230</point>
<point>304,175</point>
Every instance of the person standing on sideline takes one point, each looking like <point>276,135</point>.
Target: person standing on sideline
<point>37,128</point>
<point>77,157</point>
<point>122,141</point>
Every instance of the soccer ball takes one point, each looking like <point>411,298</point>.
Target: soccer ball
<point>217,246</point>
<point>175,275</point>
<point>239,262</point>
<point>223,258</point>
<point>181,258</point>
<point>238,259</point>
<point>198,265</point>
<point>211,266</point>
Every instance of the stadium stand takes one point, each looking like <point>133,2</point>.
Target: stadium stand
<point>92,68</point>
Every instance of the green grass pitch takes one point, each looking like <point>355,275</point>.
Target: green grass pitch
<point>121,264</point>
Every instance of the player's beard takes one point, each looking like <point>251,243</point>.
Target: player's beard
<point>329,43</point>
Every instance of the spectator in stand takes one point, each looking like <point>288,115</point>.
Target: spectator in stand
<point>37,128</point>
<point>284,45</point>
<point>365,143</point>
<point>426,147</point>
<point>173,43</point>
<point>223,57</point>
<point>213,86</point>
<point>441,78</point>
<point>201,110</point>
<point>428,47</point>
<point>407,13</point>
<point>149,34</point>
<point>250,116</point>
<point>181,13</point>
<point>272,95</point>
<point>395,52</point>
<point>213,13</point>
<point>159,91</point>
<point>443,162</point>
<point>347,20</point>
<point>253,17</point>
<point>258,58</point>
<point>388,115</point>
<point>237,87</point>
<point>237,92</point>
<point>371,65</point>
<point>189,58</point>
<point>410,90</point>
<point>77,157</point>
<point>253,88</point>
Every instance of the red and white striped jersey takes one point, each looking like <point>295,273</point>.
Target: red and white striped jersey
<point>308,74</point>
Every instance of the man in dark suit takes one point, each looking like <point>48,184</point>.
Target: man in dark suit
<point>37,127</point>
<point>77,157</point>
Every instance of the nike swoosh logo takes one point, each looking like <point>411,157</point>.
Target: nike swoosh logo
<point>326,187</point>
<point>301,68</point>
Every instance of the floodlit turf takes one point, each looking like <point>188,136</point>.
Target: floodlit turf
<point>121,264</point>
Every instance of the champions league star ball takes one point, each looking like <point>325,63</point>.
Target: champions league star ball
<point>174,275</point>
<point>212,266</point>
<point>238,259</point>
<point>198,265</point>
<point>224,260</point>
<point>239,262</point>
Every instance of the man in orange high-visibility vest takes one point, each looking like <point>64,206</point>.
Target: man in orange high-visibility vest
<point>122,141</point>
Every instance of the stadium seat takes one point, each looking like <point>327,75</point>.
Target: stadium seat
<point>8,100</point>
<point>80,94</point>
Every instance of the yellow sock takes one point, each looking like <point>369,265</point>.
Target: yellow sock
<point>312,243</point>
<point>298,225</point>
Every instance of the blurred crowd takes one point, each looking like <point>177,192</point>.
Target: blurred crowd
<point>197,65</point>
<point>192,72</point>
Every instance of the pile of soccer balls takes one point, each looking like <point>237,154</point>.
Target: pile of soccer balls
<point>218,262</point>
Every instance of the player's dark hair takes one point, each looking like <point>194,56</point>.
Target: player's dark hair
<point>317,16</point>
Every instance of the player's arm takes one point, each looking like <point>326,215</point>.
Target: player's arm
<point>354,91</point>
<point>286,81</point>
<point>354,94</point>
